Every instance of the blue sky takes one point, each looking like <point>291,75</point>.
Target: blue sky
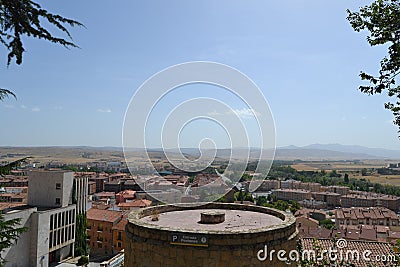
<point>302,54</point>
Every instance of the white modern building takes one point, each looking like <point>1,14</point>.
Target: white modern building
<point>50,217</point>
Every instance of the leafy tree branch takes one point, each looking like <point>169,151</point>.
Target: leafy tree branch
<point>382,20</point>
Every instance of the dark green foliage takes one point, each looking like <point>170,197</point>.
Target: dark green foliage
<point>6,169</point>
<point>19,18</point>
<point>6,93</point>
<point>382,20</point>
<point>346,178</point>
<point>9,232</point>
<point>25,17</point>
<point>334,173</point>
<point>294,206</point>
<point>271,202</point>
<point>81,246</point>
<point>243,196</point>
<point>84,260</point>
<point>245,177</point>
<point>364,172</point>
<point>261,201</point>
<point>328,224</point>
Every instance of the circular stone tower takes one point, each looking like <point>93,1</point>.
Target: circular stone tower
<point>215,234</point>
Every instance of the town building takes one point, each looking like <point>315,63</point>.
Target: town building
<point>341,190</point>
<point>100,233</point>
<point>125,196</point>
<point>313,187</point>
<point>331,199</point>
<point>290,184</point>
<point>292,194</point>
<point>119,234</point>
<point>50,219</point>
<point>264,185</point>
<point>355,200</point>
<point>369,199</point>
<point>134,204</point>
<point>366,216</point>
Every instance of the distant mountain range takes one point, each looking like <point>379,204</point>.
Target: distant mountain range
<point>309,152</point>
<point>338,150</point>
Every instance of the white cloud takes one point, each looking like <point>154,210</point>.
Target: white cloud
<point>24,107</point>
<point>8,106</point>
<point>57,108</point>
<point>245,113</point>
<point>35,109</point>
<point>213,113</point>
<point>104,110</point>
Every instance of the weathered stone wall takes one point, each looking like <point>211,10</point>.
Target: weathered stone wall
<point>150,245</point>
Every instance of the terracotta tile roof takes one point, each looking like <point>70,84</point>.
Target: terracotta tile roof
<point>393,234</point>
<point>105,194</point>
<point>382,229</point>
<point>120,226</point>
<point>127,193</point>
<point>104,215</point>
<point>139,203</point>
<point>355,213</point>
<point>377,248</point>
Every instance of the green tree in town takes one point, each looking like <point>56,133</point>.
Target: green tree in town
<point>327,223</point>
<point>81,245</point>
<point>83,261</point>
<point>382,21</point>
<point>346,178</point>
<point>9,232</point>
<point>241,195</point>
<point>364,172</point>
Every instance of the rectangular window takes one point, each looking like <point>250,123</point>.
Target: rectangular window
<point>58,201</point>
<point>54,238</point>
<point>58,186</point>
<point>119,235</point>
<point>51,222</point>
<point>51,240</point>
<point>55,221</point>
<point>99,245</point>
<point>58,237</point>
<point>62,236</point>
<point>119,244</point>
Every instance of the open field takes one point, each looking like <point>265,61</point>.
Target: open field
<point>339,166</point>
<point>381,179</point>
<point>51,154</point>
<point>353,169</point>
<point>79,155</point>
